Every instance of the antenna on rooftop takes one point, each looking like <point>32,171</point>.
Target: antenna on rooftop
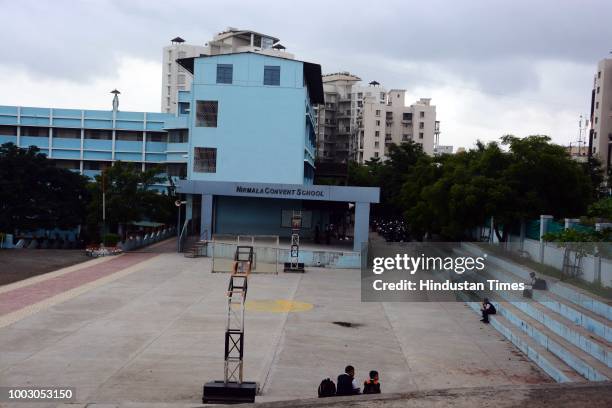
<point>580,144</point>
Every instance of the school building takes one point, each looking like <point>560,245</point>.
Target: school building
<point>241,146</point>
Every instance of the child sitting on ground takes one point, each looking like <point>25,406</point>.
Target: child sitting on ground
<point>372,386</point>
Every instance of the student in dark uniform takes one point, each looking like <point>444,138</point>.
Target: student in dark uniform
<point>487,309</point>
<point>347,385</point>
<point>372,386</point>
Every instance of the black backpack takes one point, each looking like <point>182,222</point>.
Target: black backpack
<point>327,388</point>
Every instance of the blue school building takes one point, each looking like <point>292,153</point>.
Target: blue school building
<point>241,147</point>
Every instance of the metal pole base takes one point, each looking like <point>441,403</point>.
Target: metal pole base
<point>294,267</point>
<point>219,392</point>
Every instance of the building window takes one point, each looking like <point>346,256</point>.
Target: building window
<point>181,79</point>
<point>599,74</point>
<point>183,108</point>
<point>422,114</point>
<point>224,73</point>
<point>66,133</point>
<point>421,125</point>
<point>596,105</point>
<point>128,136</point>
<point>407,116</point>
<point>206,113</point>
<point>98,134</point>
<point>359,95</point>
<point>597,89</point>
<point>205,160</point>
<point>420,135</point>
<point>8,130</point>
<point>377,113</point>
<point>405,137</point>
<point>271,75</point>
<point>596,119</point>
<point>157,137</point>
<point>376,144</point>
<point>375,154</point>
<point>376,133</point>
<point>178,136</point>
<point>378,123</point>
<point>67,164</point>
<point>34,131</point>
<point>176,170</point>
<point>95,165</point>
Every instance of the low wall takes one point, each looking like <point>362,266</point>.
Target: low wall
<point>594,269</point>
<point>6,241</point>
<point>266,255</point>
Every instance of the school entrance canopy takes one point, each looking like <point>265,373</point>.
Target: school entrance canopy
<point>261,198</point>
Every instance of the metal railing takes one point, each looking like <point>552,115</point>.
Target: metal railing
<point>183,235</point>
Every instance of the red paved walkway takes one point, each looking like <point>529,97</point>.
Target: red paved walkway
<point>19,298</point>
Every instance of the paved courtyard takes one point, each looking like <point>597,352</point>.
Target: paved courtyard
<point>148,328</point>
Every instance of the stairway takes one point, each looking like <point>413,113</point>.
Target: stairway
<point>564,330</point>
<point>195,247</point>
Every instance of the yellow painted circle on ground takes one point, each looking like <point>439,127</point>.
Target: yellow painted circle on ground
<point>277,306</point>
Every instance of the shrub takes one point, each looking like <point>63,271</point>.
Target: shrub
<point>110,240</point>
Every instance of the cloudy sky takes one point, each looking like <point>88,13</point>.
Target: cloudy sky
<point>491,67</point>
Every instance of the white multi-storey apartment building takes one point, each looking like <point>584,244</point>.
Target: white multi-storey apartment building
<point>359,121</point>
<point>232,40</point>
<point>600,139</point>
<point>336,119</point>
<point>174,77</point>
<point>381,124</point>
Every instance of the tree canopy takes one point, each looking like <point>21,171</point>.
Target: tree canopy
<point>448,195</point>
<point>35,194</point>
<point>129,196</point>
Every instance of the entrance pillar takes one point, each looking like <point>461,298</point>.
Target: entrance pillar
<point>362,225</point>
<point>206,221</point>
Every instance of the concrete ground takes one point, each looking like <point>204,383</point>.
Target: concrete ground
<point>543,395</point>
<point>148,328</point>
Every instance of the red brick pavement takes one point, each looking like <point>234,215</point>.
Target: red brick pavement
<point>19,298</point>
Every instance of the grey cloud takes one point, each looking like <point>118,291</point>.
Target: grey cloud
<point>81,40</point>
<point>539,51</point>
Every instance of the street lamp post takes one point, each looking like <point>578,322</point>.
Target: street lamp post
<point>179,203</point>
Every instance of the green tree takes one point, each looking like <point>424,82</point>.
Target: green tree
<point>545,178</point>
<point>601,209</point>
<point>452,194</point>
<point>34,194</point>
<point>129,197</point>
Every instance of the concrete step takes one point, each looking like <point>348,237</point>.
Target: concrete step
<point>585,318</point>
<point>597,305</point>
<point>556,327</point>
<point>583,363</point>
<point>587,340</point>
<point>544,358</point>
